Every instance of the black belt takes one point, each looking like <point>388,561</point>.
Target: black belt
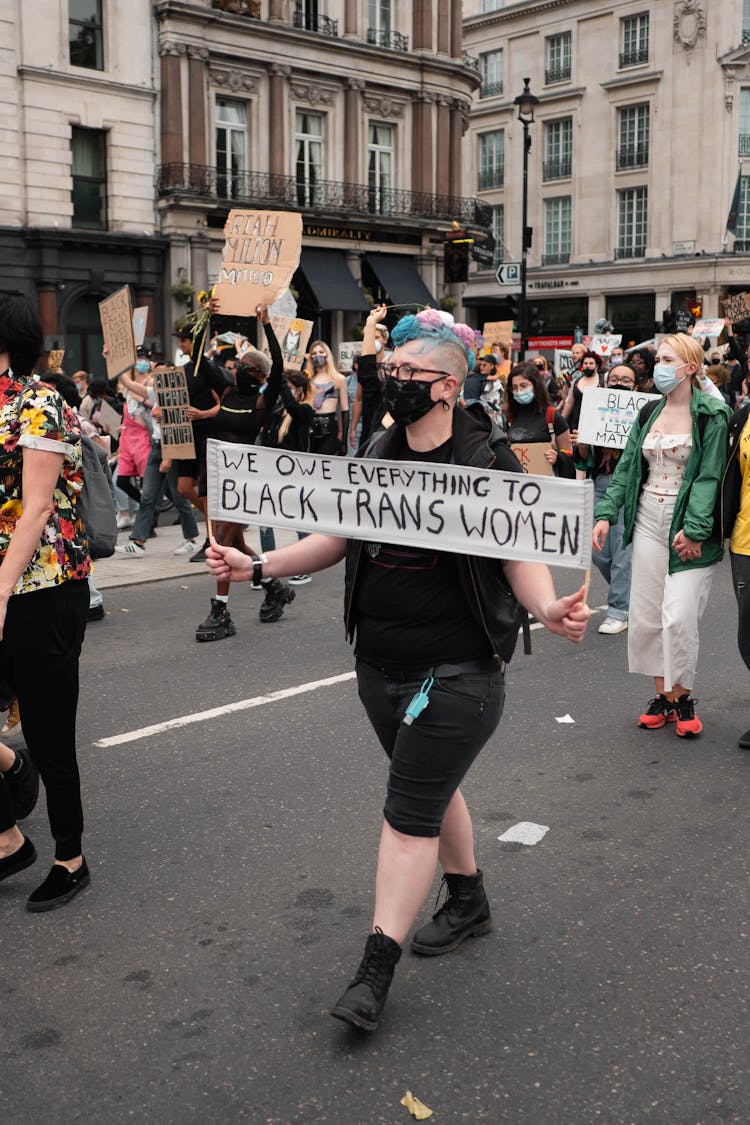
<point>488,666</point>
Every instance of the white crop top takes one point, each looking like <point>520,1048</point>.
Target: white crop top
<point>667,456</point>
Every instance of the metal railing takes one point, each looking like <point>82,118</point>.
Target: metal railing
<point>490,89</point>
<point>471,62</point>
<point>632,156</point>
<point>635,251</point>
<point>634,57</point>
<point>557,74</point>
<point>744,145</point>
<point>556,259</point>
<point>491,177</point>
<point>560,169</point>
<point>741,246</point>
<point>324,25</point>
<point>204,182</point>
<point>393,40</point>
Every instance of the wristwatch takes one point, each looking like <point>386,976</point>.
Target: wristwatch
<point>258,561</point>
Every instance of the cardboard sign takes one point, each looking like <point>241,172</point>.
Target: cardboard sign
<point>604,344</point>
<point>293,335</point>
<point>531,456</point>
<point>497,332</point>
<point>607,415</point>
<point>736,306</point>
<point>140,320</point>
<point>454,508</point>
<point>173,401</point>
<point>55,358</point>
<point>260,255</point>
<point>716,329</point>
<point>565,364</point>
<point>116,315</point>
<point>109,418</point>
<point>348,352</point>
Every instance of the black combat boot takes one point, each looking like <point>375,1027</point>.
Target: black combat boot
<point>217,625</point>
<point>465,913</point>
<point>278,594</point>
<point>363,1002</point>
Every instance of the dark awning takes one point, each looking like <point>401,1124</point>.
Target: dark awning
<point>331,280</point>
<point>398,275</point>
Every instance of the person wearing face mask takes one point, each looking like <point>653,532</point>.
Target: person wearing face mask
<point>330,401</point>
<point>667,482</point>
<point>137,427</point>
<point>591,365</point>
<point>530,418</point>
<point>423,615</point>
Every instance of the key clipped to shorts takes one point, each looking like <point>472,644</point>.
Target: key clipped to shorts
<point>419,702</point>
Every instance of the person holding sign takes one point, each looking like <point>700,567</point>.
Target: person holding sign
<point>531,419</point>
<point>591,365</point>
<point>433,632</point>
<point>667,482</point>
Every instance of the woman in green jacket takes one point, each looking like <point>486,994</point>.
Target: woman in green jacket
<point>667,481</point>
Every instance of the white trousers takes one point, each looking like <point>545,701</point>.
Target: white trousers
<point>665,609</point>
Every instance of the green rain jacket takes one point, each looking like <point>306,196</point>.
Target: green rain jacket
<point>701,484</point>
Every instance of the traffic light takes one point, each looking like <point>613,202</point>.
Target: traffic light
<point>696,309</point>
<point>535,322</point>
<point>514,307</point>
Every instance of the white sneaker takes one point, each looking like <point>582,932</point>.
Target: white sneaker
<point>132,549</point>
<point>123,522</point>
<point>187,547</point>
<point>299,580</point>
<point>613,625</point>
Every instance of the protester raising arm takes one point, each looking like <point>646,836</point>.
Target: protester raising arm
<point>271,393</point>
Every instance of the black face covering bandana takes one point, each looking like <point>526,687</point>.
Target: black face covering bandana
<point>247,379</point>
<point>408,402</point>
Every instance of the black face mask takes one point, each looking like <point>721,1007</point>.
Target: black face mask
<point>408,402</point>
<point>247,380</point>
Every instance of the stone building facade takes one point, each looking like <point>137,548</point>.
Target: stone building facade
<point>641,136</point>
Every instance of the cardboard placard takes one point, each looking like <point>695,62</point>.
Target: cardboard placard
<point>565,364</point>
<point>736,306</point>
<point>531,456</point>
<point>349,350</point>
<point>116,315</point>
<point>293,335</point>
<point>55,358</point>
<point>715,329</point>
<point>455,508</point>
<point>604,343</point>
<point>173,401</point>
<point>140,320</point>
<point>607,415</point>
<point>497,332</point>
<point>261,253</point>
<point>109,418</point>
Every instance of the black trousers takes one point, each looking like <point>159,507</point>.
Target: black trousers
<point>39,656</point>
<point>741,583</point>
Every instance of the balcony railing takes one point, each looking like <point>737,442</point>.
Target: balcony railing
<point>557,74</point>
<point>491,177</point>
<point>471,62</point>
<point>490,89</point>
<point>632,156</point>
<point>324,25</point>
<point>635,251</point>
<point>744,146</point>
<point>393,40</point>
<point>741,246</point>
<point>634,57</point>
<point>560,169</point>
<point>204,183</point>
<point>559,259</point>
<point>249,8</point>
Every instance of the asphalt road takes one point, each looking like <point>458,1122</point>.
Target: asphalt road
<point>232,864</point>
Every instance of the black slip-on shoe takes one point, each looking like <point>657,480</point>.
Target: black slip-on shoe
<point>59,887</point>
<point>24,857</point>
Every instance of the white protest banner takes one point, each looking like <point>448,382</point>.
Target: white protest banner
<point>172,398</point>
<point>607,415</point>
<point>604,343</point>
<point>293,335</point>
<point>349,350</point>
<point>140,320</point>
<point>261,253</point>
<point>715,329</point>
<point>465,510</point>
<point>116,315</point>
<point>565,365</point>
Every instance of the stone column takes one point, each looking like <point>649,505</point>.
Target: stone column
<point>443,149</point>
<point>276,11</point>
<point>277,130</point>
<point>456,29</point>
<point>444,27</point>
<point>456,134</point>
<point>422,25</point>
<point>48,310</point>
<point>171,104</point>
<point>352,120</point>
<point>350,17</point>
<point>197,58</point>
<point>422,158</point>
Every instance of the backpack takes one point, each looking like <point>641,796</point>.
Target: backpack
<point>96,501</point>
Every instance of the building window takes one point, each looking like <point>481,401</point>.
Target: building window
<point>559,58</point>
<point>558,149</point>
<point>231,148</point>
<point>634,40</point>
<point>556,231</point>
<point>491,69</point>
<point>746,21</point>
<point>632,147</point>
<point>632,223</point>
<point>742,233</point>
<point>491,159</point>
<point>744,145</point>
<point>309,158</point>
<point>380,167</point>
<point>85,37</point>
<point>89,171</point>
<point>380,27</point>
<point>498,232</point>
<point>308,18</point>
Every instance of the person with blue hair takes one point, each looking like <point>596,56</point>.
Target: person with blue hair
<point>433,627</point>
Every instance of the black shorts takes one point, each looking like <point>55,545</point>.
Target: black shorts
<point>191,466</point>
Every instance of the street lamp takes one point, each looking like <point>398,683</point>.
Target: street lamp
<point>526,103</point>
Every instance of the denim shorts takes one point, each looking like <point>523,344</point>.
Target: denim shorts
<point>430,758</point>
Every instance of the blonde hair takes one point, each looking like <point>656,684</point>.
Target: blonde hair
<point>689,350</point>
<point>337,378</point>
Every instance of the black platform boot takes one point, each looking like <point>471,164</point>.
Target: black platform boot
<point>363,1002</point>
<point>465,913</point>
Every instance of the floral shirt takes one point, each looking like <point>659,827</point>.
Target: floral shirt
<point>33,416</point>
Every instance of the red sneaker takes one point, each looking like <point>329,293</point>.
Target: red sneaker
<point>688,723</point>
<point>659,712</point>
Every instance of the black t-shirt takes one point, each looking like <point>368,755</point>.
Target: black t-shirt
<point>411,611</point>
<point>529,425</point>
<point>209,377</point>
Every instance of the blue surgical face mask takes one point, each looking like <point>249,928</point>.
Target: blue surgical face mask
<point>142,366</point>
<point>523,398</point>
<point>665,377</point>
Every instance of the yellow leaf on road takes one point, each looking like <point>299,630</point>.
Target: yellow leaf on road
<point>415,1107</point>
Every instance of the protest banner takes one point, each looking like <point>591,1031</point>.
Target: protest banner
<point>715,329</point>
<point>110,419</point>
<point>531,456</point>
<point>565,365</point>
<point>604,343</point>
<point>607,415</point>
<point>349,350</point>
<point>497,332</point>
<point>140,320</point>
<point>293,335</point>
<point>55,358</point>
<point>173,401</point>
<point>260,255</point>
<point>454,508</point>
<point>116,315</point>
<point>736,306</point>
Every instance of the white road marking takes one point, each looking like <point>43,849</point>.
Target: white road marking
<point>217,712</point>
<point>525,832</point>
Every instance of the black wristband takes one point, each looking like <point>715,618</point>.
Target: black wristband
<point>258,562</point>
